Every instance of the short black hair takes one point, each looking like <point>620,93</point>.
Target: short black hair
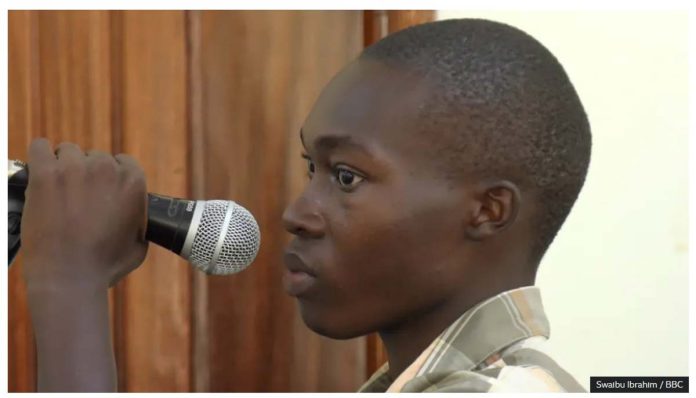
<point>502,107</point>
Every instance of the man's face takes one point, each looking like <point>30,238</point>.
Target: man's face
<point>377,227</point>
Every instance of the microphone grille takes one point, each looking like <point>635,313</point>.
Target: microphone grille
<point>227,239</point>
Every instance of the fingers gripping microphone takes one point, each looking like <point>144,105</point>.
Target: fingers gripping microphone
<point>216,236</point>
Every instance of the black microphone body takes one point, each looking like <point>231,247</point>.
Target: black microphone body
<point>168,219</point>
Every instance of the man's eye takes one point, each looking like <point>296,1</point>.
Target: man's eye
<point>347,178</point>
<point>310,168</point>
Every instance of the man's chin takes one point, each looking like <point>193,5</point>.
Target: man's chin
<point>328,327</point>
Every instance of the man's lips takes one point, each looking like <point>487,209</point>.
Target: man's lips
<point>299,277</point>
<point>294,263</point>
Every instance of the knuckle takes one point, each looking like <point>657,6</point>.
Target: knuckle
<point>66,144</point>
<point>61,170</point>
<point>38,142</point>
<point>69,171</point>
<point>103,164</point>
<point>135,182</point>
<point>94,153</point>
<point>43,175</point>
<point>127,160</point>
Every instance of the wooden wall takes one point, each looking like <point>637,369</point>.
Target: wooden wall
<point>210,103</point>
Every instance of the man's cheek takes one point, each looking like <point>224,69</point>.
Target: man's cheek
<point>372,254</point>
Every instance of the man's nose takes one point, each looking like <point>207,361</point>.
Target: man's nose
<point>302,218</point>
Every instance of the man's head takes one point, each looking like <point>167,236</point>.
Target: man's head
<point>443,161</point>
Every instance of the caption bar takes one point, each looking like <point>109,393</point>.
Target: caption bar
<point>639,384</point>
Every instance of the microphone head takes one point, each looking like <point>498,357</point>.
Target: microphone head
<point>223,238</point>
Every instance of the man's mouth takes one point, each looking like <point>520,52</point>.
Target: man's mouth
<point>298,277</point>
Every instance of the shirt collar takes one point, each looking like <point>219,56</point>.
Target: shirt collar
<point>475,337</point>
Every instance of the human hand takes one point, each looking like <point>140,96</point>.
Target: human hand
<point>84,217</point>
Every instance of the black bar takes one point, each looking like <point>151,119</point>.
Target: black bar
<point>639,384</point>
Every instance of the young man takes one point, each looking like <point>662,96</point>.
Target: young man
<point>442,163</point>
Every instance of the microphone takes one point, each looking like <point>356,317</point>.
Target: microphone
<point>218,237</point>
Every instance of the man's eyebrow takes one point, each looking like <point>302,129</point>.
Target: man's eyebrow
<point>332,142</point>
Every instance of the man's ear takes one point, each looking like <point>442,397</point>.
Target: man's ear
<point>496,205</point>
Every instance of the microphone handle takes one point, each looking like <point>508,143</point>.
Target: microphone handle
<point>168,219</point>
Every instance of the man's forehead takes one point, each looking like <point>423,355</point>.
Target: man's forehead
<point>363,100</point>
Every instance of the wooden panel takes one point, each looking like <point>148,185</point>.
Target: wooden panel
<point>401,19</point>
<point>200,374</point>
<point>23,115</point>
<point>155,307</point>
<point>59,84</point>
<point>374,26</point>
<point>256,77</point>
<point>74,78</point>
<point>379,23</point>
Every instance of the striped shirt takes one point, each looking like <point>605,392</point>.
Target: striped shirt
<point>496,346</point>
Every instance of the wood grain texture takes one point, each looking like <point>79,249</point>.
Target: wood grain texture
<point>259,74</point>
<point>23,115</point>
<point>156,297</point>
<point>74,78</point>
<point>401,19</point>
<point>200,374</point>
<point>374,26</point>
<point>59,89</point>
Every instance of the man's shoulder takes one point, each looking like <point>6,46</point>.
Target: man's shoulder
<point>505,379</point>
<point>498,345</point>
<point>525,366</point>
